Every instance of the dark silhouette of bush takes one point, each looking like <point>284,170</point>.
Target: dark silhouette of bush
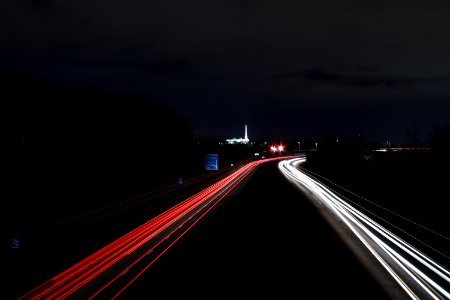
<point>440,138</point>
<point>86,143</point>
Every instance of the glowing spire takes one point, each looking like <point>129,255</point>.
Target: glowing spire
<point>246,140</point>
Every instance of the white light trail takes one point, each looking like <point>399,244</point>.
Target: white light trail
<point>419,275</point>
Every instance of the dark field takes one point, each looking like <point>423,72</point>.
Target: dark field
<point>408,189</point>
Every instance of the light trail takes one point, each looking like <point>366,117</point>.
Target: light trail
<point>109,271</point>
<point>117,207</point>
<point>416,273</point>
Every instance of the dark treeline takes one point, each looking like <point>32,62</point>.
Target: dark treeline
<point>68,146</point>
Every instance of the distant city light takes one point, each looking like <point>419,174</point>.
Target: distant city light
<point>244,140</point>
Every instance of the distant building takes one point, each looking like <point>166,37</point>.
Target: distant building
<point>243,140</point>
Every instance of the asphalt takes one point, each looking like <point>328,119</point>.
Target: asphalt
<point>267,240</point>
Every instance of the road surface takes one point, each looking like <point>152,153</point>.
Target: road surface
<point>253,234</point>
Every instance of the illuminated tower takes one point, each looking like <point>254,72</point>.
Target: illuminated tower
<point>246,140</point>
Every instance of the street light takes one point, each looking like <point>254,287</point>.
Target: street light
<point>298,146</point>
<point>316,146</point>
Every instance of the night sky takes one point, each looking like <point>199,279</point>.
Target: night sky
<point>291,69</point>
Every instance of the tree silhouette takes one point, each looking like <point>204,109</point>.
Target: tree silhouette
<point>440,138</point>
<point>86,144</point>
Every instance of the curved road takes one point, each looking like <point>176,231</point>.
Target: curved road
<point>252,234</point>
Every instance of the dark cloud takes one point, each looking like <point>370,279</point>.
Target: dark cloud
<point>316,75</point>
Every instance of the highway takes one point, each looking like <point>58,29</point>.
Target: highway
<point>253,234</point>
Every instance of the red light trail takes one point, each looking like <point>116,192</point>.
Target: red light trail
<point>109,271</point>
